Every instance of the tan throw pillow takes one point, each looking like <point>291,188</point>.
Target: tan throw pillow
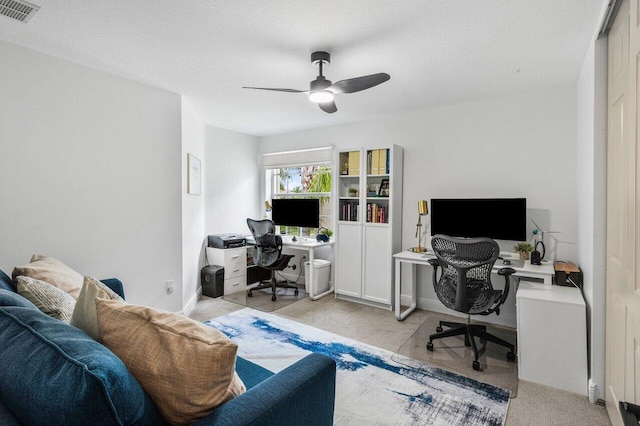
<point>49,299</point>
<point>84,314</point>
<point>187,368</point>
<point>52,271</point>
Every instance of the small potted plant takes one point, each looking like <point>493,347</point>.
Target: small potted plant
<point>523,249</point>
<point>353,192</point>
<point>324,235</point>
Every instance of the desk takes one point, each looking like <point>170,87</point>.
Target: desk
<point>544,272</point>
<point>307,244</point>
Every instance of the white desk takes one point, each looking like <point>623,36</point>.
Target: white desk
<point>307,244</point>
<point>544,272</point>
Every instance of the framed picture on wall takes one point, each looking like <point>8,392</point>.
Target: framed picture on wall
<point>194,178</point>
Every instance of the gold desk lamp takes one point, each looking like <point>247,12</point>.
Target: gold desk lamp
<point>267,209</point>
<point>423,209</point>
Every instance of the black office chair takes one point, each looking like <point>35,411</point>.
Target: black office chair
<point>465,286</point>
<point>268,255</point>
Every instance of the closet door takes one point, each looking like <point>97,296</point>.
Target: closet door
<point>623,239</point>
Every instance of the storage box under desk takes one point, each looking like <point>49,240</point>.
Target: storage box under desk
<point>552,336</point>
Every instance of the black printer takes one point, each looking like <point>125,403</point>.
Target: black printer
<point>225,241</point>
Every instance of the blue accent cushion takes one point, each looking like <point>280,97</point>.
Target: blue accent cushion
<point>6,283</point>
<point>47,364</point>
<point>10,298</point>
<point>115,285</point>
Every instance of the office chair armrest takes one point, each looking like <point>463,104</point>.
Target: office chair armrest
<point>435,264</point>
<point>506,271</point>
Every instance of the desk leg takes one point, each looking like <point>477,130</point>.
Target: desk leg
<point>400,316</point>
<point>313,296</point>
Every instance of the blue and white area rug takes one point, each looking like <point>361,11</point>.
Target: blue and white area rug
<point>371,387</point>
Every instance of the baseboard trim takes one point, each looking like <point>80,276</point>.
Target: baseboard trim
<point>191,304</point>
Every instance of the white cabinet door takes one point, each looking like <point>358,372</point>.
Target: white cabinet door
<point>377,267</point>
<point>349,265</point>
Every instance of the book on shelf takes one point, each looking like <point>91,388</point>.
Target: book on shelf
<point>348,211</point>
<point>377,213</point>
<point>375,160</point>
<point>354,163</point>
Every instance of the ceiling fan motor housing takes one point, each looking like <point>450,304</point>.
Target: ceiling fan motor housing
<point>319,83</point>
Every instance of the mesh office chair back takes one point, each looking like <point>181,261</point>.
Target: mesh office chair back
<point>465,282</point>
<point>268,245</point>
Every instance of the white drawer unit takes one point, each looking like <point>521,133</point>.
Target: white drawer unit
<point>234,261</point>
<point>552,336</point>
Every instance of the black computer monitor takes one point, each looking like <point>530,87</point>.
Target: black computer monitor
<point>303,212</point>
<point>497,218</point>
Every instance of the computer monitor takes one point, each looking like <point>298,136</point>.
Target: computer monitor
<point>497,218</point>
<point>303,212</point>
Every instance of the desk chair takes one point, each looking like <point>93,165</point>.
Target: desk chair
<point>464,285</point>
<point>268,255</point>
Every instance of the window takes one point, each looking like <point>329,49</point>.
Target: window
<point>312,181</point>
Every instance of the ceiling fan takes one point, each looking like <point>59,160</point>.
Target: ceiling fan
<point>321,90</point>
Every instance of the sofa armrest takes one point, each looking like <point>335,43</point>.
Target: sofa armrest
<point>301,394</point>
<point>115,285</point>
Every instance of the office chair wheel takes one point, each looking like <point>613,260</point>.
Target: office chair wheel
<point>295,292</point>
<point>430,346</point>
<point>438,329</point>
<point>249,294</point>
<point>476,365</point>
<point>511,356</point>
<point>273,298</point>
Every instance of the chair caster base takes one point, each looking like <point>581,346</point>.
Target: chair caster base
<point>273,298</point>
<point>295,292</point>
<point>430,346</point>
<point>249,294</point>
<point>511,356</point>
<point>476,365</point>
<point>438,329</point>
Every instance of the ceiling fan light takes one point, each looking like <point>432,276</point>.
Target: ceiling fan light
<point>320,96</point>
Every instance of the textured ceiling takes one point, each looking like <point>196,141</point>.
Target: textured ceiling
<point>437,52</point>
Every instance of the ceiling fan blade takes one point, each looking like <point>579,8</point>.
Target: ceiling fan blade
<point>329,107</point>
<point>277,90</point>
<point>357,84</point>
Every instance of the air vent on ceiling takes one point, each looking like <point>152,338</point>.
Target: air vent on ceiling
<point>19,10</point>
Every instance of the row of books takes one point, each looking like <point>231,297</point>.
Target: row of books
<point>378,162</point>
<point>348,211</point>
<point>377,213</point>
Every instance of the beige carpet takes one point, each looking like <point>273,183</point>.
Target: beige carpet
<point>534,405</point>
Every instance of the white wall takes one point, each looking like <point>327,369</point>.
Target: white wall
<point>232,181</point>
<point>519,146</point>
<point>90,174</point>
<point>591,191</point>
<point>192,207</point>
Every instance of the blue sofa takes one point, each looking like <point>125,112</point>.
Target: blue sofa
<point>53,373</point>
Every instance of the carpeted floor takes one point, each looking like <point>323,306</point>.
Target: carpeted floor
<point>534,405</point>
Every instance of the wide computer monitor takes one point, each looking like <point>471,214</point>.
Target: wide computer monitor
<point>497,218</point>
<point>303,212</point>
